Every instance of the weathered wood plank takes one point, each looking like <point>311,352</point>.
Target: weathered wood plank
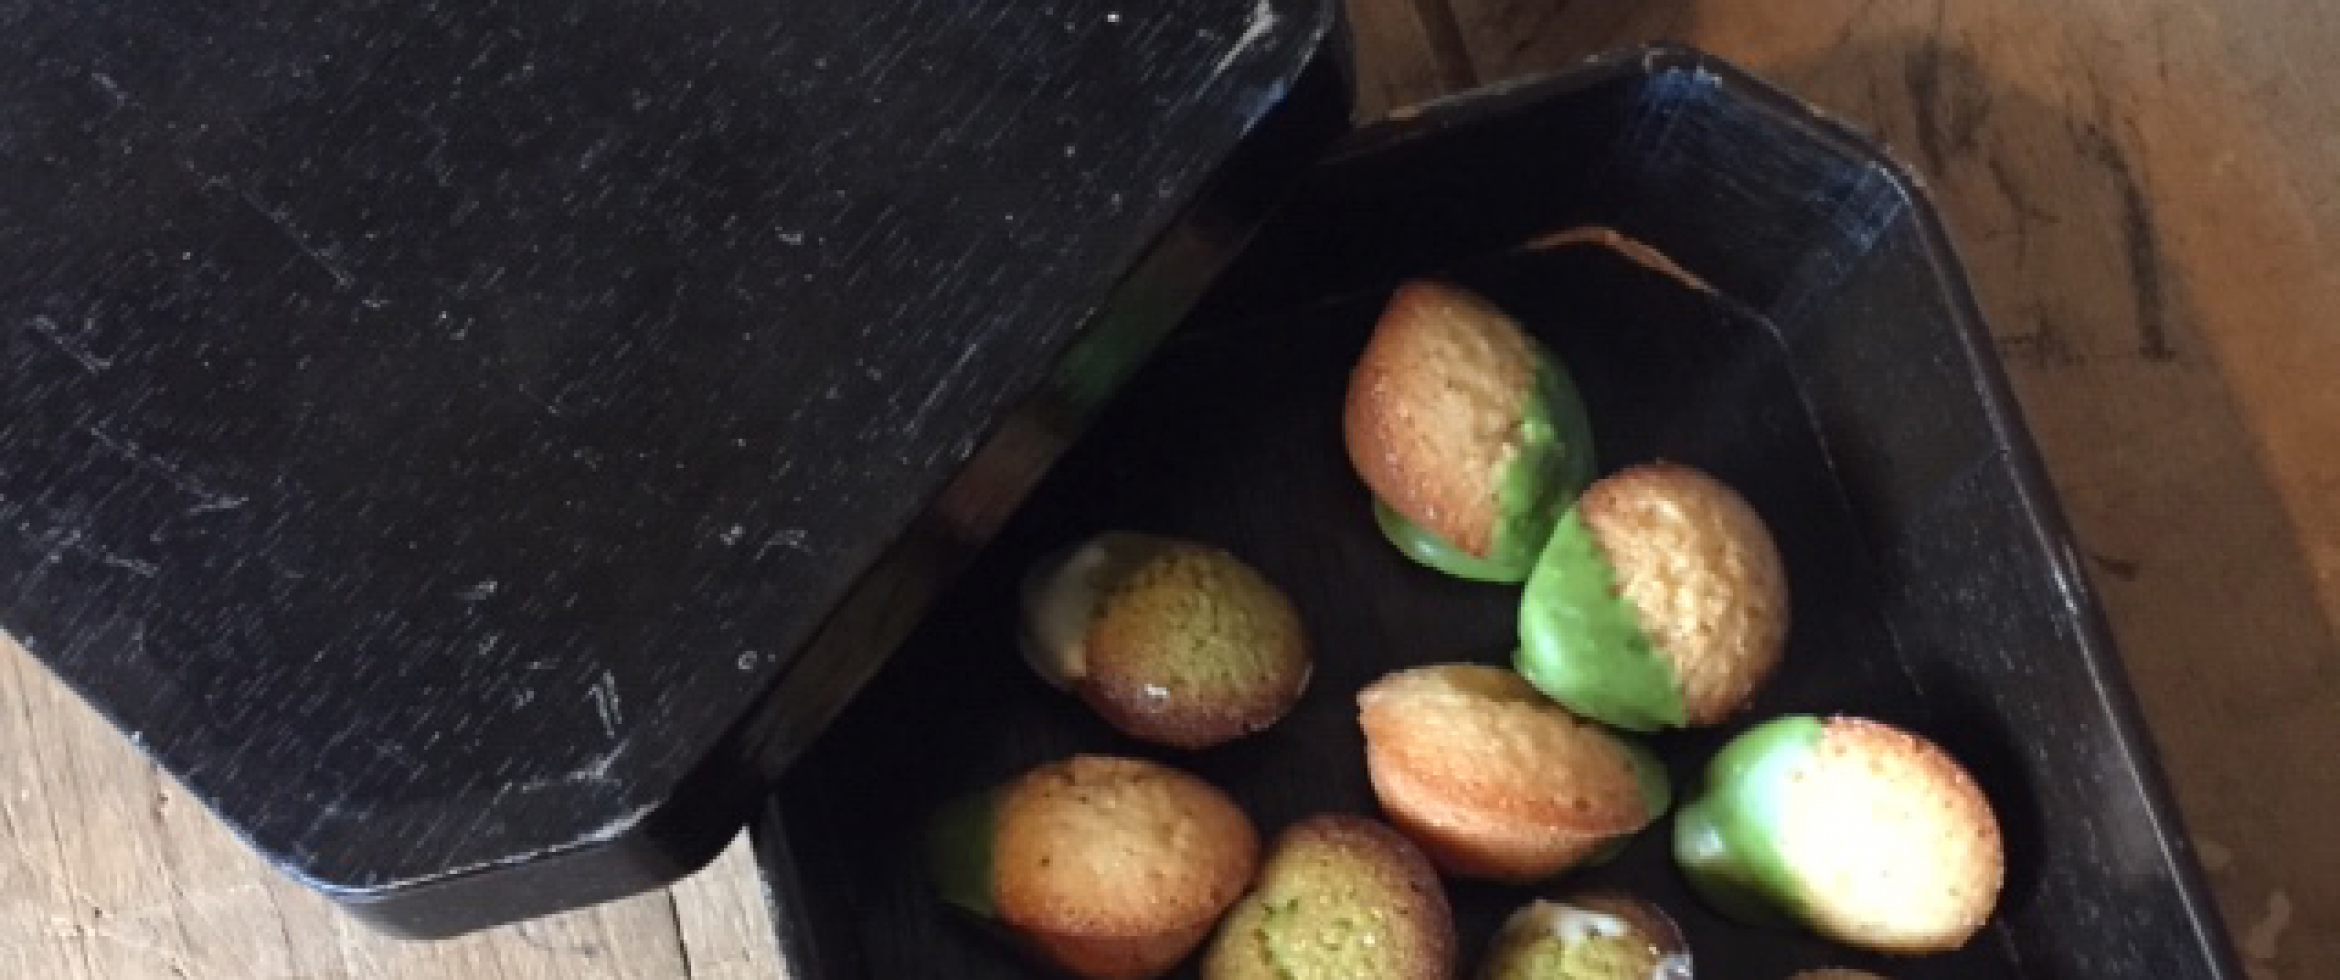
<point>1407,51</point>
<point>726,928</point>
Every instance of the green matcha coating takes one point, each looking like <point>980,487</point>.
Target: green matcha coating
<point>1610,850</point>
<point>1429,549</point>
<point>1552,467</point>
<point>1583,645</point>
<point>1553,464</point>
<point>958,851</point>
<point>1727,839</point>
<point>1657,793</point>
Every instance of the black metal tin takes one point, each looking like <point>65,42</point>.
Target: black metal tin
<point>1839,375</point>
<point>470,446</point>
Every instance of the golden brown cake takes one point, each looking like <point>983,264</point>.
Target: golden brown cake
<point>1494,780</point>
<point>1700,570</point>
<point>1172,642</point>
<point>1602,936</point>
<point>1468,432</point>
<point>1866,833</point>
<point>1340,897</point>
<point>1105,867</point>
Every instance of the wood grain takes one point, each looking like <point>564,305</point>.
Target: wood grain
<point>2143,194</point>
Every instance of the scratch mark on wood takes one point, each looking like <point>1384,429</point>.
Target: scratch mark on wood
<point>2020,202</point>
<point>682,943</point>
<point>183,903</point>
<point>1947,101</point>
<point>1922,76</point>
<point>2216,857</point>
<point>2265,937</point>
<point>2124,569</point>
<point>72,346</point>
<point>1449,55</point>
<point>284,934</point>
<point>2140,244</point>
<point>84,932</point>
<point>2160,30</point>
<point>532,934</point>
<point>2043,346</point>
<point>1853,23</point>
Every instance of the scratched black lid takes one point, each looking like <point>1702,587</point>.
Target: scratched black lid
<point>471,445</point>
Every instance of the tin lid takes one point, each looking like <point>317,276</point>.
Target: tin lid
<point>468,445</point>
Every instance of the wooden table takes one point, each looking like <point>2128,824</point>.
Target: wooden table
<point>2145,194</point>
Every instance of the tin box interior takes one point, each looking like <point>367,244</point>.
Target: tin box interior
<point>1837,374</point>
